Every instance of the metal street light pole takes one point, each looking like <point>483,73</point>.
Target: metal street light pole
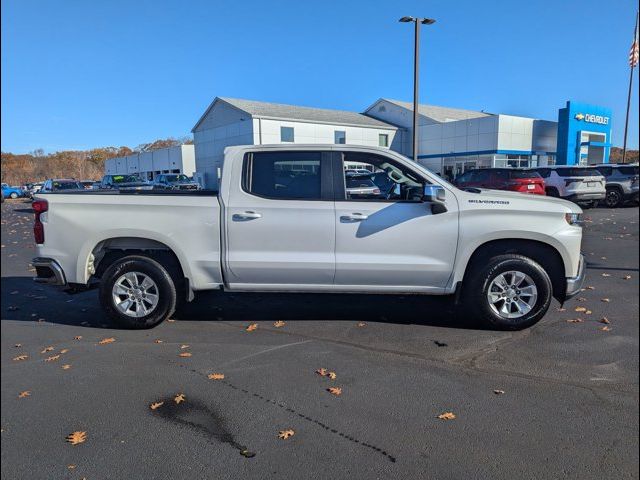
<point>416,75</point>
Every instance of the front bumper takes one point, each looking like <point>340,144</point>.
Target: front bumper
<point>48,271</point>
<point>574,284</point>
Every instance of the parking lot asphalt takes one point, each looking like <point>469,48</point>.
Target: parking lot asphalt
<point>559,400</point>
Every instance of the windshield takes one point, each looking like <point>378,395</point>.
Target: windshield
<point>66,186</point>
<point>177,178</point>
<point>125,179</point>
<point>578,172</point>
<point>524,174</point>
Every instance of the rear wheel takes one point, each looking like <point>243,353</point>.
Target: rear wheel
<point>137,292</point>
<point>509,292</point>
<point>613,198</point>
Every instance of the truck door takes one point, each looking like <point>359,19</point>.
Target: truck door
<point>388,237</point>
<point>280,221</point>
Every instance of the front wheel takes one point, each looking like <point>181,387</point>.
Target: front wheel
<point>613,198</point>
<point>137,292</point>
<point>509,292</point>
<point>14,195</point>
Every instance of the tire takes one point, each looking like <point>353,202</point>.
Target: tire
<point>14,195</point>
<point>481,279</point>
<point>614,198</point>
<point>553,192</point>
<point>131,272</point>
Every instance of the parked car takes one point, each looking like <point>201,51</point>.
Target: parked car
<point>11,192</point>
<point>125,182</point>
<point>60,184</point>
<point>32,187</point>
<point>512,179</point>
<point>504,254</point>
<point>175,181</point>
<point>584,185</point>
<point>622,183</point>
<point>96,185</point>
<point>360,186</point>
<point>87,184</point>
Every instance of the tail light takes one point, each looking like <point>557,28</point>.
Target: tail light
<point>376,191</point>
<point>39,207</point>
<point>569,181</point>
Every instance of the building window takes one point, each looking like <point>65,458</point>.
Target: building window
<point>286,134</point>
<point>340,137</point>
<point>383,140</point>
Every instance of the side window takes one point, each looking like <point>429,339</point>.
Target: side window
<point>481,175</point>
<point>383,139</point>
<point>544,172</point>
<point>378,178</point>
<point>340,137</point>
<point>501,175</point>
<point>606,171</point>
<point>465,177</point>
<point>283,175</point>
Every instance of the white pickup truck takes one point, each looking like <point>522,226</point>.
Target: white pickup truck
<point>286,220</point>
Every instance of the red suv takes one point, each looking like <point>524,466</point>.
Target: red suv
<point>513,179</point>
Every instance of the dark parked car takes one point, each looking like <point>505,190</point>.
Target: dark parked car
<point>512,179</point>
<point>175,181</point>
<point>125,182</point>
<point>622,183</point>
<point>59,184</point>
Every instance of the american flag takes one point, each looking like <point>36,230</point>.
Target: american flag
<point>634,54</point>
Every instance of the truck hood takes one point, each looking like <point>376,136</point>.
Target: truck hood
<point>517,200</point>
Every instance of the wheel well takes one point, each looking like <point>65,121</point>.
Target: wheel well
<point>614,187</point>
<point>109,251</point>
<point>546,255</point>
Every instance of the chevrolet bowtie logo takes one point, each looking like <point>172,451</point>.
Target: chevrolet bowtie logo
<point>579,116</point>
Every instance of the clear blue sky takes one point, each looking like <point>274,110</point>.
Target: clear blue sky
<point>78,74</point>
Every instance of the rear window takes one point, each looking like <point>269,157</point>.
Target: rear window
<point>516,174</point>
<point>66,185</point>
<point>363,182</point>
<point>629,170</point>
<point>578,172</point>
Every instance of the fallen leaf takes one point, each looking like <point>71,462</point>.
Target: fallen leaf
<point>20,357</point>
<point>604,320</point>
<point>361,324</point>
<point>284,434</point>
<point>561,309</point>
<point>591,288</point>
<point>582,299</point>
<point>627,277</point>
<point>322,372</point>
<point>66,367</point>
<point>605,328</point>
<point>155,405</point>
<point>78,337</point>
<point>184,354</point>
<point>18,345</point>
<point>588,312</point>
<point>64,350</point>
<point>332,375</point>
<point>278,323</point>
<point>26,393</point>
<point>575,320</point>
<point>605,300</point>
<point>182,347</point>
<point>157,340</point>
<point>447,416</point>
<point>106,340</point>
<point>215,376</point>
<point>580,309</point>
<point>170,320</point>
<point>251,327</point>
<point>499,392</point>
<point>334,390</point>
<point>179,398</point>
<point>77,437</point>
<point>47,349</point>
<point>52,358</point>
<point>71,467</point>
<point>606,275</point>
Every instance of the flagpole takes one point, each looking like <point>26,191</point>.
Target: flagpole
<point>626,121</point>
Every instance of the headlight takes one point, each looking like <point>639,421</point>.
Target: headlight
<point>574,219</point>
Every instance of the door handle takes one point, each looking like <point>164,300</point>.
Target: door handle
<point>246,216</point>
<point>354,217</point>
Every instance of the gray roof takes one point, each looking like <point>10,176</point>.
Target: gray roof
<point>439,114</point>
<point>280,111</point>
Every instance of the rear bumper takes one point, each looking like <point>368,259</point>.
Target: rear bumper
<point>574,284</point>
<point>586,197</point>
<point>48,271</point>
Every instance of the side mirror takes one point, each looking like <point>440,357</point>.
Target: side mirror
<point>434,194</point>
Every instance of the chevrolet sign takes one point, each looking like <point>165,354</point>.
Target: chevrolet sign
<point>590,118</point>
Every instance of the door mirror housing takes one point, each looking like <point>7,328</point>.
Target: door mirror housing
<point>434,194</point>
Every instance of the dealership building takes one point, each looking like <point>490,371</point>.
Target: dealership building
<point>451,140</point>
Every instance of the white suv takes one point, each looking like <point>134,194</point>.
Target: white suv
<point>578,184</point>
